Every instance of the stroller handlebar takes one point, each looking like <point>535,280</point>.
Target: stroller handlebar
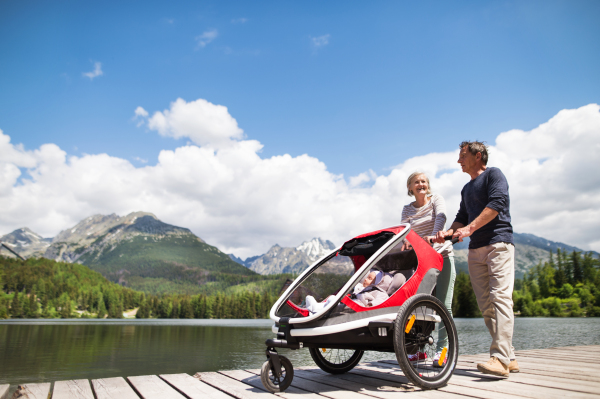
<point>449,242</point>
<point>449,238</point>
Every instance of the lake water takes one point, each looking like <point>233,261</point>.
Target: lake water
<point>52,350</point>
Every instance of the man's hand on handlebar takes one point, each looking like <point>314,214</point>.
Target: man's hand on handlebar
<point>462,233</point>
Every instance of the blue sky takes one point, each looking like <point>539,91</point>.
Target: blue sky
<point>367,90</point>
<point>419,76</point>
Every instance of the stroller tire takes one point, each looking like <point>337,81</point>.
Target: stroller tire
<point>271,382</point>
<point>429,314</point>
<point>339,363</point>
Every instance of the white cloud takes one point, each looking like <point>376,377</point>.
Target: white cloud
<point>140,116</point>
<point>96,72</point>
<point>201,121</point>
<point>320,41</point>
<point>206,37</point>
<point>233,198</point>
<point>239,20</point>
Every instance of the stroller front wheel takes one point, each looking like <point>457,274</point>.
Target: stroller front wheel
<point>272,382</point>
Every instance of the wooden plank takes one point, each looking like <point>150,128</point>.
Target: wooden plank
<point>327,390</point>
<point>232,387</point>
<point>253,379</point>
<point>569,355</point>
<point>152,387</point>
<point>326,386</point>
<point>500,385</point>
<point>574,349</point>
<point>562,357</point>
<point>535,360</point>
<point>110,388</point>
<point>370,386</point>
<point>549,382</point>
<point>192,387</point>
<point>358,382</point>
<point>72,389</point>
<point>481,393</point>
<point>33,391</point>
<point>473,392</point>
<point>549,371</point>
<point>590,347</point>
<point>4,391</point>
<point>566,367</point>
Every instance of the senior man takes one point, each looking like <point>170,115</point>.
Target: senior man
<point>484,216</point>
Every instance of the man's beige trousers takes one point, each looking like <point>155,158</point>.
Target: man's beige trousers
<point>492,272</point>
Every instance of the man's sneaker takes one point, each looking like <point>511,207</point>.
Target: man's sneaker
<point>513,367</point>
<point>417,356</point>
<point>436,360</point>
<point>493,367</point>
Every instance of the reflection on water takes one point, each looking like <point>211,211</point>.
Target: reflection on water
<point>52,350</point>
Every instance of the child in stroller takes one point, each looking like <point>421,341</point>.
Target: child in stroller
<point>372,291</point>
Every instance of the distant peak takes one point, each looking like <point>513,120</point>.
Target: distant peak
<point>134,215</point>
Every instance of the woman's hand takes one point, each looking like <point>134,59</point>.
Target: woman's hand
<point>440,237</point>
<point>429,239</point>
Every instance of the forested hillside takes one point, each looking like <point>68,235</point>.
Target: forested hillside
<point>43,288</point>
<point>566,284</point>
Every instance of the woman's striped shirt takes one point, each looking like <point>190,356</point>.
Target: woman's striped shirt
<point>428,219</point>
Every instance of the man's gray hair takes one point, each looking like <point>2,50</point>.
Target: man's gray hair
<point>412,176</point>
<point>476,146</point>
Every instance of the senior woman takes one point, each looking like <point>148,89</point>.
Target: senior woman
<point>427,216</point>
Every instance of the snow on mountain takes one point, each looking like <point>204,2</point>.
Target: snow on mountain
<point>289,260</point>
<point>316,248</point>
<point>25,242</point>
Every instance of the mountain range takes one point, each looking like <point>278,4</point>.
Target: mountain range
<point>141,252</point>
<point>529,251</point>
<point>288,260</point>
<point>138,251</point>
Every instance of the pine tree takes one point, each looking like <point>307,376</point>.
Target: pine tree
<point>568,267</point>
<point>32,305</point>
<point>3,307</point>
<point>577,267</point>
<point>163,309</point>
<point>464,303</point>
<point>15,307</point>
<point>186,311</point>
<point>65,306</point>
<point>101,309</point>
<point>119,314</point>
<point>589,270</point>
<point>175,310</point>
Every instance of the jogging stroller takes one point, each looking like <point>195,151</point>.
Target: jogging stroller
<point>410,322</point>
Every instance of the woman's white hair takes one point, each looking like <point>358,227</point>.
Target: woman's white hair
<point>411,177</point>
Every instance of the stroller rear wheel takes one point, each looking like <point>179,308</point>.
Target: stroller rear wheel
<point>425,341</point>
<point>272,382</point>
<point>336,361</point>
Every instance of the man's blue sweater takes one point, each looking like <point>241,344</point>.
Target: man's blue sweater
<point>488,190</point>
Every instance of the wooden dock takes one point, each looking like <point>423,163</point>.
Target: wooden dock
<point>568,372</point>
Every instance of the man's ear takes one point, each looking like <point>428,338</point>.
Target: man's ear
<point>478,156</point>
